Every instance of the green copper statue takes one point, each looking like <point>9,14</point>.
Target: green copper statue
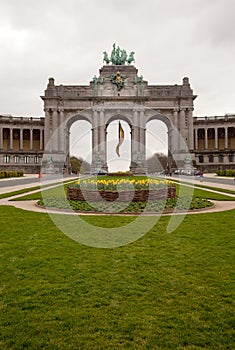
<point>118,80</point>
<point>131,57</point>
<point>106,58</point>
<point>118,56</point>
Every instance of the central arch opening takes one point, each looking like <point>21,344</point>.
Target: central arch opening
<point>156,146</point>
<point>114,162</point>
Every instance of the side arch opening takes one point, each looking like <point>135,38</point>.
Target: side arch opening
<point>157,150</point>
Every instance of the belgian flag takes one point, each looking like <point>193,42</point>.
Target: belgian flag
<point>121,138</point>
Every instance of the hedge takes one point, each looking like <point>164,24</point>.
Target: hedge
<point>8,173</point>
<point>229,173</point>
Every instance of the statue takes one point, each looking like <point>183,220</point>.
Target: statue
<point>188,158</point>
<point>95,80</point>
<point>49,166</point>
<point>101,80</point>
<point>123,57</point>
<point>113,55</point>
<point>106,58</point>
<point>131,57</point>
<point>118,79</point>
<point>49,160</point>
<point>118,56</point>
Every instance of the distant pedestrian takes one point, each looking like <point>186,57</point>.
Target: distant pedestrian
<point>201,176</point>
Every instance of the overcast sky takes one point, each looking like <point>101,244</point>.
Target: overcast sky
<point>65,39</point>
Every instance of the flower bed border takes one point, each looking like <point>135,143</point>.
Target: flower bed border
<point>77,194</point>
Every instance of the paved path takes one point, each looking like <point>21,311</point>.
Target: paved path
<point>32,206</point>
<point>29,181</point>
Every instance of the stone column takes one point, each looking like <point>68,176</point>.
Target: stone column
<point>206,138</point>
<point>134,137</point>
<point>182,129</point>
<point>61,132</point>
<point>169,151</point>
<point>67,143</point>
<point>21,139</point>
<point>55,140</point>
<point>48,131</point>
<point>95,140</point>
<point>175,134</point>
<point>102,134</point>
<point>31,140</point>
<point>196,138</point>
<point>11,138</point>
<point>190,129</point>
<point>216,138</point>
<point>41,139</point>
<point>142,138</point>
<point>226,137</point>
<point>1,138</point>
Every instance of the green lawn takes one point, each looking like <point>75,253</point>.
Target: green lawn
<point>163,291</point>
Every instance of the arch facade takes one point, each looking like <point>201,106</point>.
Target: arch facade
<point>103,101</point>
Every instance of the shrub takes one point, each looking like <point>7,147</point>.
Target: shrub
<point>229,173</point>
<point>121,173</point>
<point>9,173</point>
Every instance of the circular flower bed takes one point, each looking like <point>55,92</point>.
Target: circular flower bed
<point>132,189</point>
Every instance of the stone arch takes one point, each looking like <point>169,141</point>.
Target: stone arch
<point>162,117</point>
<point>167,120</point>
<point>72,119</point>
<point>111,143</point>
<point>76,117</point>
<point>122,116</point>
<point>101,101</point>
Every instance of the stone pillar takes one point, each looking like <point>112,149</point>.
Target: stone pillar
<point>216,138</point>
<point>175,134</point>
<point>170,144</point>
<point>48,131</point>
<point>41,139</point>
<point>31,140</point>
<point>182,129</point>
<point>21,139</point>
<point>11,138</point>
<point>142,138</point>
<point>1,138</point>
<point>102,141</point>
<point>95,130</point>
<point>95,141</point>
<point>206,138</point>
<point>134,137</point>
<point>67,143</point>
<point>196,138</point>
<point>190,129</point>
<point>55,140</point>
<point>61,132</point>
<point>226,137</point>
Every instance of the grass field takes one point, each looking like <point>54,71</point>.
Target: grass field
<point>163,291</point>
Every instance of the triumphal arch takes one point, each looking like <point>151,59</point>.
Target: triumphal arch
<point>117,92</point>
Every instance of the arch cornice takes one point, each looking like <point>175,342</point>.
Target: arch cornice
<point>112,115</point>
<point>73,117</point>
<point>157,115</point>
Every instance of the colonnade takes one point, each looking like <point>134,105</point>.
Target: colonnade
<point>7,138</point>
<point>226,134</point>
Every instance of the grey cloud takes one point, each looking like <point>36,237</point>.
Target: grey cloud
<point>65,39</point>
